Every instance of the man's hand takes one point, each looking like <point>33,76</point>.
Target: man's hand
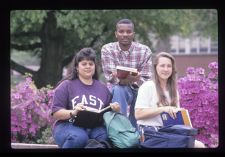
<point>115,106</point>
<point>134,78</point>
<point>130,79</point>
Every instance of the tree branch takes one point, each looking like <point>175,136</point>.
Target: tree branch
<point>21,69</point>
<point>63,12</point>
<point>27,34</point>
<point>26,47</point>
<point>96,38</point>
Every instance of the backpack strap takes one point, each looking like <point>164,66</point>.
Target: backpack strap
<point>106,143</point>
<point>112,114</point>
<point>93,143</point>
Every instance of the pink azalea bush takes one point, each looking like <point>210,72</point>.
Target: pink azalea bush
<point>199,94</point>
<point>30,111</point>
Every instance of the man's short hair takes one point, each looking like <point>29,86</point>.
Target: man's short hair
<point>125,21</point>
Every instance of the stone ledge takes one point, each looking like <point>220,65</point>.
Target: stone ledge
<point>33,146</point>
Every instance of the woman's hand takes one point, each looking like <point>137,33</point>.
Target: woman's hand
<point>77,108</point>
<point>115,106</point>
<point>171,110</point>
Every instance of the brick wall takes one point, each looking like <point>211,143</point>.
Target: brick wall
<point>184,61</point>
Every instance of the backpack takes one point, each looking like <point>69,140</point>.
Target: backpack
<point>120,130</point>
<point>180,129</point>
<point>176,136</point>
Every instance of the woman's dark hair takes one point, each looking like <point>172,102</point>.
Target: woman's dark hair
<point>83,54</point>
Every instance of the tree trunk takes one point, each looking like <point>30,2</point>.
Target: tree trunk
<point>52,39</point>
<point>163,45</point>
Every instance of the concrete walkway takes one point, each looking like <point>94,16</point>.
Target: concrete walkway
<point>33,146</point>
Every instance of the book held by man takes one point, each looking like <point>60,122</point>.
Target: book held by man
<point>123,72</point>
<point>182,118</point>
<point>90,117</point>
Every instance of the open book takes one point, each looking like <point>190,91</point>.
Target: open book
<point>123,72</point>
<point>182,118</point>
<point>90,117</point>
<point>107,108</point>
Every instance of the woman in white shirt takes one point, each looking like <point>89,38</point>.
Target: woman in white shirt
<point>160,94</point>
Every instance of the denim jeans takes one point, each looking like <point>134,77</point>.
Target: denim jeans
<point>125,96</point>
<point>67,135</point>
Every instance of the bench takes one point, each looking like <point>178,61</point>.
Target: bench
<point>33,146</point>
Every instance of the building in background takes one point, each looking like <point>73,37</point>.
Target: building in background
<point>194,52</point>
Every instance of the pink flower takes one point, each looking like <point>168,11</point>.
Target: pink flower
<point>199,94</point>
<point>17,96</point>
<point>29,109</point>
<point>190,70</point>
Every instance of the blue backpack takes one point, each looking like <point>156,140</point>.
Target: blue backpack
<point>175,136</point>
<point>120,130</point>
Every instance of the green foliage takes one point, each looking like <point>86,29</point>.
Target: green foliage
<point>46,137</point>
<point>26,20</point>
<point>208,26</point>
<point>75,29</point>
<point>82,26</point>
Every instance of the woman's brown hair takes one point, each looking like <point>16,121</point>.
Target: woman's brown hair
<point>171,83</point>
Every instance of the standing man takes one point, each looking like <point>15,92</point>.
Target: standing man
<point>126,52</point>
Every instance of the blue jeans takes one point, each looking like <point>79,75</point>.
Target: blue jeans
<point>67,135</point>
<point>125,95</point>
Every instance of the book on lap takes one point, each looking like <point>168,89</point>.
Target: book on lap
<point>182,118</point>
<point>123,72</point>
<point>90,117</point>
